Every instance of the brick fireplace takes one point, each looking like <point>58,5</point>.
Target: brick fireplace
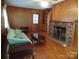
<point>61,31</point>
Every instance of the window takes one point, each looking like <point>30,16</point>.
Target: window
<point>35,18</point>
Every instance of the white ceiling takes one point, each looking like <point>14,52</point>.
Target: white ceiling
<point>35,4</point>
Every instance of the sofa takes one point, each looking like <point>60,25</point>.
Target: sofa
<point>17,36</point>
<point>19,45</point>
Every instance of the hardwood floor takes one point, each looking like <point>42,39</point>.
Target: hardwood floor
<point>48,51</point>
<point>54,50</point>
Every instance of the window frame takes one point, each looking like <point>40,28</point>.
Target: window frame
<point>38,18</point>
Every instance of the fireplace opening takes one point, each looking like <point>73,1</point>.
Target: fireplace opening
<point>59,33</point>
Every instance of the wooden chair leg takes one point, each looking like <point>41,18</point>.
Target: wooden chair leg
<point>33,57</point>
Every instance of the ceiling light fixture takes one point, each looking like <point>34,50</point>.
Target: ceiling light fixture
<point>44,4</point>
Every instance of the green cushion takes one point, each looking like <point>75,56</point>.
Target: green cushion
<point>11,33</point>
<point>18,32</point>
<point>22,35</point>
<point>16,40</point>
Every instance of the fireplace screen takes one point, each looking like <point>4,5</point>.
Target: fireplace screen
<point>59,33</point>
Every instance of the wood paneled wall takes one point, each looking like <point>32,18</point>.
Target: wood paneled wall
<point>49,17</point>
<point>45,19</point>
<point>65,11</point>
<point>20,17</point>
<point>75,36</point>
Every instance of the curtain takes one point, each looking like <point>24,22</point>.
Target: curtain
<point>6,23</point>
